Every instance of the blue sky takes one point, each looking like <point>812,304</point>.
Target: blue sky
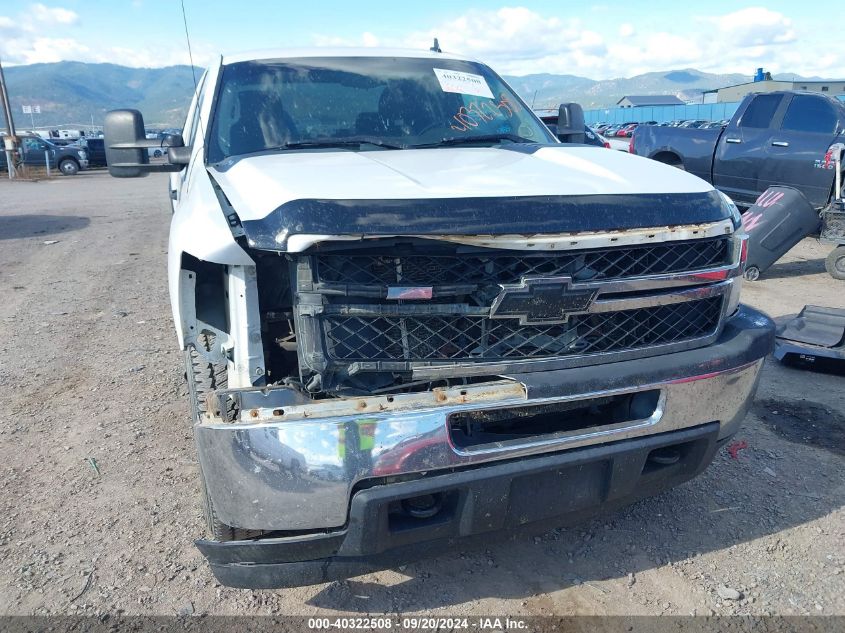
<point>603,40</point>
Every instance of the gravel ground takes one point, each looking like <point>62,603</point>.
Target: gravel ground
<point>98,478</point>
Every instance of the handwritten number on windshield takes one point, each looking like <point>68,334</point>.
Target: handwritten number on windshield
<point>477,112</point>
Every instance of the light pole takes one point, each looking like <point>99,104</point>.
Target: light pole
<point>11,141</point>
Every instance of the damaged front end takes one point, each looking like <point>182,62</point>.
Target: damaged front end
<point>350,315</point>
<point>416,301</point>
<point>333,326</point>
<point>419,388</point>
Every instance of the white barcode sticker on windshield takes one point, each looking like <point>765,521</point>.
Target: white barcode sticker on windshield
<point>463,83</point>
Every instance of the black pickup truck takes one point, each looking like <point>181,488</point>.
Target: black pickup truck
<point>776,138</point>
<point>36,152</point>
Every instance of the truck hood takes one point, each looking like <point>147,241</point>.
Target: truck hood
<point>513,189</point>
<point>258,185</point>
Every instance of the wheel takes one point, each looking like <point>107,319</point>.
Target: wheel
<point>69,167</point>
<point>203,378</point>
<point>752,273</point>
<point>157,153</point>
<point>835,263</point>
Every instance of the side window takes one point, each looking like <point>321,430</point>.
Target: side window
<point>760,111</point>
<point>809,114</point>
<point>34,145</point>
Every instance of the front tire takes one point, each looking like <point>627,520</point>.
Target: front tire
<point>835,263</point>
<point>203,379</point>
<point>69,167</point>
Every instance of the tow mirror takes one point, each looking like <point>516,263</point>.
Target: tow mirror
<point>570,123</point>
<point>126,146</point>
<point>173,140</point>
<point>177,153</point>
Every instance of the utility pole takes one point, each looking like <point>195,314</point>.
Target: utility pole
<point>11,141</point>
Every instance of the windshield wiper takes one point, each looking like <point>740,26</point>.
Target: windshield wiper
<point>481,138</point>
<point>356,141</point>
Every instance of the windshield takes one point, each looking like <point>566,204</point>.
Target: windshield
<point>365,103</point>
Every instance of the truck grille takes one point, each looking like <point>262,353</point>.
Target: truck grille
<point>504,267</point>
<point>346,324</point>
<point>461,338</point>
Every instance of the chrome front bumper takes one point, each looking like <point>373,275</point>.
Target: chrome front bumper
<point>296,468</point>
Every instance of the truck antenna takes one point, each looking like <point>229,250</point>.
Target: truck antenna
<point>436,47</point>
<point>188,39</point>
<point>193,71</point>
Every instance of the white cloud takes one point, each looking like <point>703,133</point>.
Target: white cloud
<point>153,56</point>
<point>23,41</point>
<point>518,40</point>
<point>753,26</point>
<point>369,39</point>
<point>52,15</point>
<point>626,30</point>
<point>514,39</point>
<point>54,49</point>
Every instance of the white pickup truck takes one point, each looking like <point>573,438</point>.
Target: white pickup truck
<point>412,317</point>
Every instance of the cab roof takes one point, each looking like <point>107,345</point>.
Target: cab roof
<point>293,53</point>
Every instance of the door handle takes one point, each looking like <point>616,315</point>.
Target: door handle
<point>780,143</point>
<point>733,140</point>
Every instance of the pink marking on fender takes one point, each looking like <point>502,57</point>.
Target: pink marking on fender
<point>767,198</point>
<point>751,220</point>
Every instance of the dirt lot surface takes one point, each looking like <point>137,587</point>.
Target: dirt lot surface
<point>98,476</point>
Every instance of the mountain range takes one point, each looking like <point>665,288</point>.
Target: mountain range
<point>75,93</point>
<point>72,93</point>
<point>546,90</point>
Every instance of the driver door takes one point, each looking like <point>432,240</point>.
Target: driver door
<point>34,152</point>
<point>742,149</point>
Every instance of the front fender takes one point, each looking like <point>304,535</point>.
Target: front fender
<point>198,228</point>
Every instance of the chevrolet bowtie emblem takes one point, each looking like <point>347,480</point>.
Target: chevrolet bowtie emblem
<point>542,300</point>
